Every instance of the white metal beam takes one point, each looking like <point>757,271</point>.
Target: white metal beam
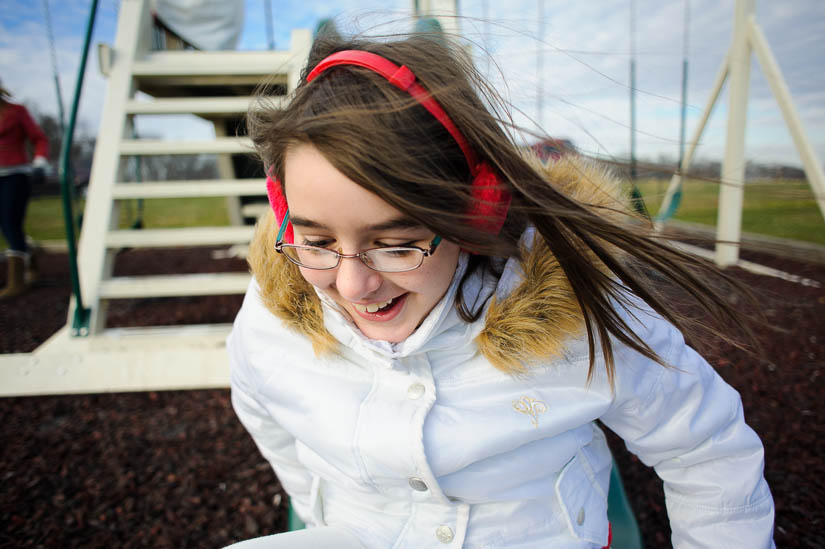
<point>731,189</point>
<point>773,74</point>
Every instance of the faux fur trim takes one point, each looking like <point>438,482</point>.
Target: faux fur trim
<point>536,319</point>
<point>532,322</point>
<point>284,291</point>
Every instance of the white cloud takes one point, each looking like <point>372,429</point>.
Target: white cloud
<point>586,62</point>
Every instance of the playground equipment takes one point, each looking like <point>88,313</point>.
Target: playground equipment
<point>86,356</point>
<point>747,37</point>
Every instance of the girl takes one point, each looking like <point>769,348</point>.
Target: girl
<point>17,129</point>
<point>436,321</point>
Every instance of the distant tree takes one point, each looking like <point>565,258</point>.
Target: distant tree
<point>169,168</point>
<point>51,127</point>
<point>83,147</point>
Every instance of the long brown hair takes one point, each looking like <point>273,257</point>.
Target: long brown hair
<point>382,139</point>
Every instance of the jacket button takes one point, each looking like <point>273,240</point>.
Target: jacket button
<point>444,534</point>
<point>416,391</point>
<point>417,484</point>
<point>580,518</point>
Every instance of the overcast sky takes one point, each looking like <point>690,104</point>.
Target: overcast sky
<point>586,53</point>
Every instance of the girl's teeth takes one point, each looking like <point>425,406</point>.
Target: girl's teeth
<point>372,307</point>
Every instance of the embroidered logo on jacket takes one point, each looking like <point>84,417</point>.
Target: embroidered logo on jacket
<point>531,407</point>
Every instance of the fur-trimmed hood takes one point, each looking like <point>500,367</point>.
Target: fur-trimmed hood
<point>532,314</point>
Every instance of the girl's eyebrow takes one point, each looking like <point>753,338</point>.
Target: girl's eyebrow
<point>390,224</point>
<point>397,223</point>
<point>303,222</point>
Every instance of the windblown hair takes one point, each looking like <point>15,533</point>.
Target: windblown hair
<point>381,138</point>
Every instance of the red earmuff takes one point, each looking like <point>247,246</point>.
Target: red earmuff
<point>277,201</point>
<point>490,199</point>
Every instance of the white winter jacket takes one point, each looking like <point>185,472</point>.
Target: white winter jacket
<point>425,444</point>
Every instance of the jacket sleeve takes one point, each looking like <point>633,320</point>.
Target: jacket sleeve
<point>274,442</point>
<point>33,132</point>
<point>688,424</point>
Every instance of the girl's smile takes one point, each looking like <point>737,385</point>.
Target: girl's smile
<point>328,209</point>
<point>381,312</point>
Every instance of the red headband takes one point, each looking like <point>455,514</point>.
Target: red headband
<point>490,200</point>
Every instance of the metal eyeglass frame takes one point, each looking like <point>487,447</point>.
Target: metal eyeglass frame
<point>279,245</point>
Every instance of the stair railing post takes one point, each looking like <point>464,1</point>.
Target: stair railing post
<point>80,318</point>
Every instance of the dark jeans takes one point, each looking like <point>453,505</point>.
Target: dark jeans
<point>14,199</point>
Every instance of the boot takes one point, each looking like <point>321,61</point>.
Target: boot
<point>15,284</point>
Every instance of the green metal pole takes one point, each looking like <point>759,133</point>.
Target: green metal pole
<point>80,321</point>
<point>270,32</point>
<point>677,196</point>
<point>635,195</point>
<point>633,91</point>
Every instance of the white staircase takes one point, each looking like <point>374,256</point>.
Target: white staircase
<point>214,86</point>
<point>179,82</point>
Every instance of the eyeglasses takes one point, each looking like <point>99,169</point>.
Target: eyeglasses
<point>386,260</point>
<point>396,259</point>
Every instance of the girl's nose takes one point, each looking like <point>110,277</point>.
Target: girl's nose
<point>355,281</point>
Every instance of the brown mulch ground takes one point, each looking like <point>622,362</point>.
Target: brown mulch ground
<point>176,469</point>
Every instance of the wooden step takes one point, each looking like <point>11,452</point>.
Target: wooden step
<point>125,287</point>
<point>213,63</point>
<point>189,334</point>
<point>121,359</point>
<point>195,105</point>
<point>219,145</point>
<point>185,236</point>
<point>190,188</point>
<point>201,106</point>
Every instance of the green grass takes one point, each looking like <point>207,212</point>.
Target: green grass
<point>166,213</point>
<point>44,219</point>
<point>781,208</point>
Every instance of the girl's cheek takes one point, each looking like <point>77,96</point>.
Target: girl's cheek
<point>319,279</point>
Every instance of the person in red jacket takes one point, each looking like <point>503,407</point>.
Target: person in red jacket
<point>17,128</point>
